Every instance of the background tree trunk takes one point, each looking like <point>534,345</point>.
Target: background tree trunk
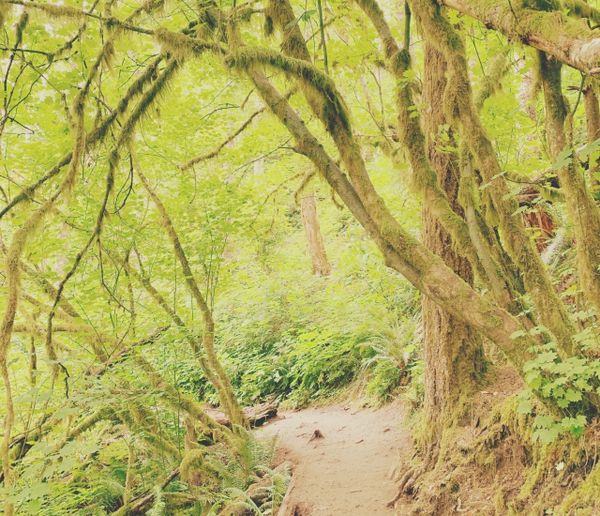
<point>314,238</point>
<point>452,351</point>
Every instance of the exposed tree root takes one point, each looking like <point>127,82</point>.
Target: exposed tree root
<point>498,467</point>
<point>406,486</point>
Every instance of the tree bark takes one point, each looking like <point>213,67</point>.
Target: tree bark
<point>592,113</point>
<point>452,350</point>
<point>426,271</point>
<point>314,237</point>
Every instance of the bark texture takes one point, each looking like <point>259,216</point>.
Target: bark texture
<point>592,113</point>
<point>453,352</point>
<point>426,271</point>
<point>421,267</point>
<point>459,106</point>
<point>592,117</point>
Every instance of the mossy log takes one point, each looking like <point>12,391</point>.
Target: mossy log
<point>256,416</point>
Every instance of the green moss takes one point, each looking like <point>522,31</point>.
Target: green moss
<point>334,109</point>
<point>191,465</point>
<point>280,14</point>
<point>459,106</point>
<point>584,498</point>
<point>581,9</point>
<point>4,11</point>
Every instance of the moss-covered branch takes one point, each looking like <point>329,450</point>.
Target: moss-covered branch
<point>93,137</point>
<point>333,109</point>
<point>223,385</point>
<point>569,40</point>
<point>123,140</point>
<point>421,267</point>
<point>178,399</point>
<point>424,177</point>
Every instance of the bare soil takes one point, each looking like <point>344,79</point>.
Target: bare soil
<point>344,457</point>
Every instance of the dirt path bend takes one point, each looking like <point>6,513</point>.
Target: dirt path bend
<point>346,471</point>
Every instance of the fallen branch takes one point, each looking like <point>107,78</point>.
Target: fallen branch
<point>140,502</point>
<point>256,416</point>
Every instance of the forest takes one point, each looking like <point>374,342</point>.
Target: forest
<point>369,227</point>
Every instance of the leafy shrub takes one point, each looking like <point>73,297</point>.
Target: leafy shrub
<point>309,365</point>
<point>386,377</point>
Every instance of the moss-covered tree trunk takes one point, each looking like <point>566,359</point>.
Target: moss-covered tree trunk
<point>584,213</point>
<point>453,353</point>
<point>459,105</point>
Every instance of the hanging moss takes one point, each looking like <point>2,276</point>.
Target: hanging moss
<point>492,82</point>
<point>177,44</point>
<point>334,108</point>
<point>21,24</point>
<point>57,11</point>
<point>124,137</point>
<point>208,14</point>
<point>280,14</point>
<point>191,467</point>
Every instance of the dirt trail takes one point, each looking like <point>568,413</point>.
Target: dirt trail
<point>348,470</point>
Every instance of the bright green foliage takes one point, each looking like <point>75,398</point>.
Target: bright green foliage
<point>93,431</point>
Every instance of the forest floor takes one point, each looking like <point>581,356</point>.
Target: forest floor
<point>344,457</point>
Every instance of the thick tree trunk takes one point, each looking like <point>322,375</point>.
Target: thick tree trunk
<point>425,270</point>
<point>314,238</point>
<point>452,350</point>
<point>549,308</point>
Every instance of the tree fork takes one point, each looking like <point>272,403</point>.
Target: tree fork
<point>421,267</point>
<point>424,178</point>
